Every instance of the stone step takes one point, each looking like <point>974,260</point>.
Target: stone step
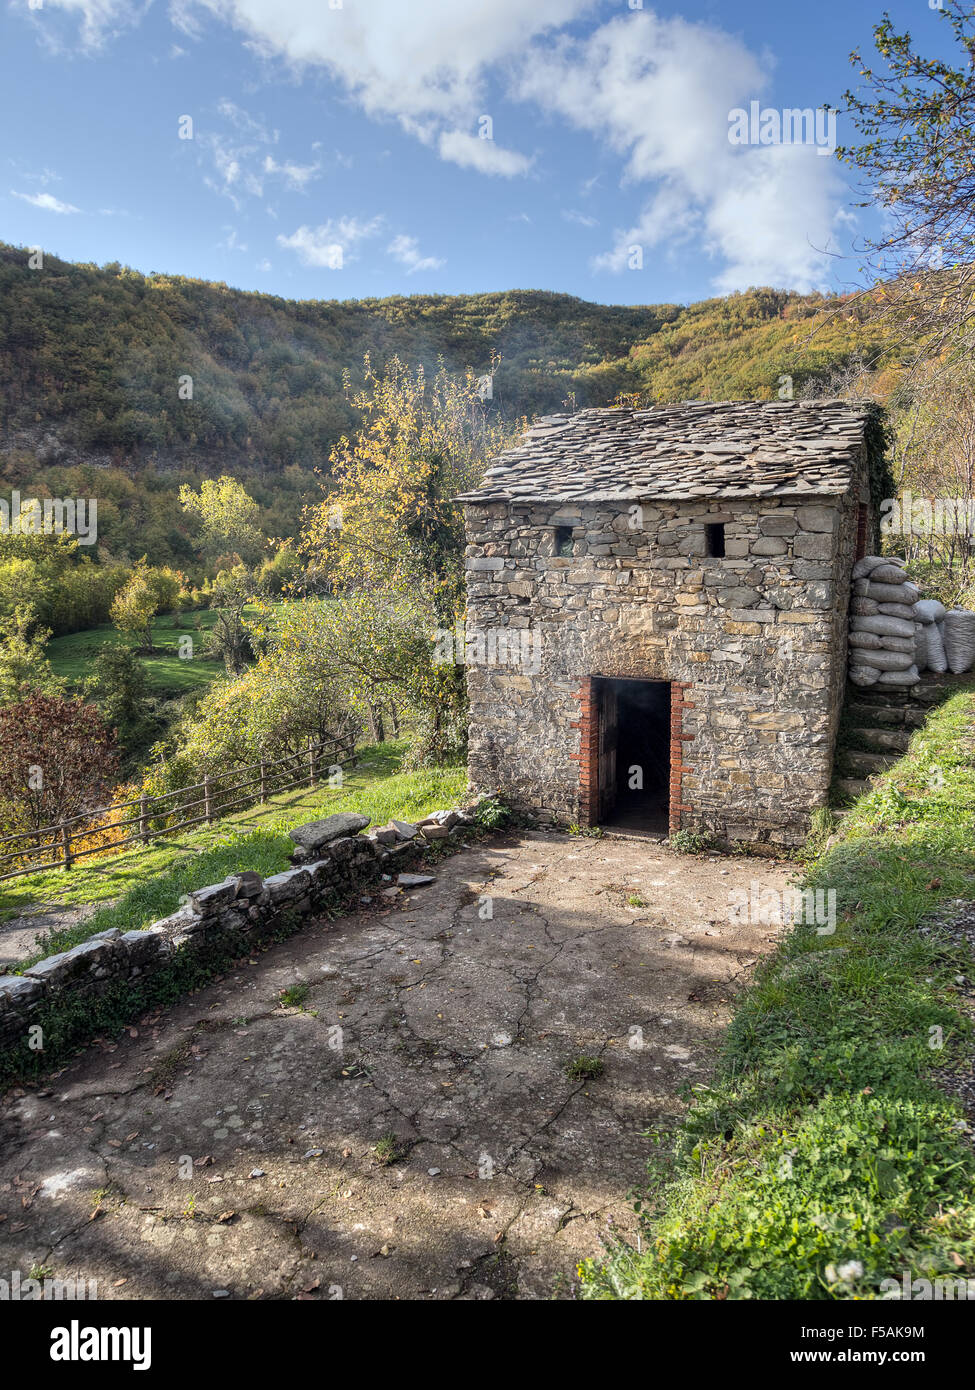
<point>882,740</point>
<point>887,715</point>
<point>851,786</point>
<point>868,763</point>
<point>929,691</point>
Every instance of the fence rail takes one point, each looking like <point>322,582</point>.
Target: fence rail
<point>155,816</point>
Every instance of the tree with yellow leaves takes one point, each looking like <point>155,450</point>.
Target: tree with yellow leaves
<point>388,540</point>
<point>389,521</point>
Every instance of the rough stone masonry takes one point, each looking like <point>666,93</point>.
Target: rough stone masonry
<point>705,545</point>
<point>331,860</point>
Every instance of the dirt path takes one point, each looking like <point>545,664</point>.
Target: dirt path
<point>426,1020</point>
<point>19,936</point>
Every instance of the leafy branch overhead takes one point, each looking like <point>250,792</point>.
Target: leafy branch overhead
<point>915,116</point>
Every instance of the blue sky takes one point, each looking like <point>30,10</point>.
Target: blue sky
<point>338,146</point>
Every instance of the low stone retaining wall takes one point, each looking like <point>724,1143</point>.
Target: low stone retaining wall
<point>221,919</point>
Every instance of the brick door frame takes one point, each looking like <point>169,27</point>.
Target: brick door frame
<point>863,530</point>
<point>588,755</point>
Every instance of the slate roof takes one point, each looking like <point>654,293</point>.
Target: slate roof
<point>694,449</point>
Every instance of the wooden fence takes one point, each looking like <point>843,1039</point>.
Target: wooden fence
<point>59,846</point>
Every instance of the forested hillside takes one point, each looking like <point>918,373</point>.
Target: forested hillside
<point>156,380</point>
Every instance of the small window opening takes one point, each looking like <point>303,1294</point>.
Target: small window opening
<point>714,540</point>
<point>563,542</point>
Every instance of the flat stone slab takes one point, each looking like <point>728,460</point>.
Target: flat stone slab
<point>56,970</point>
<point>210,900</point>
<point>434,832</point>
<point>414,880</point>
<point>316,833</point>
<point>446,1019</point>
<point>18,990</point>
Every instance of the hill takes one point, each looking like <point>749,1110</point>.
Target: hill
<point>97,365</point>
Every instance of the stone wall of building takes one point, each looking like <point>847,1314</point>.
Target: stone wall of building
<point>756,641</point>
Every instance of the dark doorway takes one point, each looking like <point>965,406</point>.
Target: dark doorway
<point>634,754</point>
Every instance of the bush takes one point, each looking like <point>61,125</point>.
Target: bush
<point>491,813</point>
<point>691,841</point>
<point>120,689</point>
<point>57,760</point>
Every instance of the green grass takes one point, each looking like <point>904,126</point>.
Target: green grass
<point>72,657</point>
<point>149,882</point>
<point>823,1159</point>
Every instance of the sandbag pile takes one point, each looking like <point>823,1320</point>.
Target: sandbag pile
<point>959,640</point>
<point>930,615</point>
<point>895,634</point>
<point>884,641</point>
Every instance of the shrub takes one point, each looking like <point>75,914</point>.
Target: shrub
<point>57,759</point>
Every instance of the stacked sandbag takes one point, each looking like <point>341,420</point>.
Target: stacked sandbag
<point>959,640</point>
<point>883,625</point>
<point>930,616</point>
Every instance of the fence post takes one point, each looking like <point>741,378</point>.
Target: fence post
<point>207,799</point>
<point>66,845</point>
<point>263,779</point>
<point>311,762</point>
<point>143,818</point>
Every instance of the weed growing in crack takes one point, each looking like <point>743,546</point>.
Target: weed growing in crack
<point>691,841</point>
<point>386,1149</point>
<point>585,1068</point>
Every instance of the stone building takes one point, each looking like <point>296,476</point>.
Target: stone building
<point>657,614</point>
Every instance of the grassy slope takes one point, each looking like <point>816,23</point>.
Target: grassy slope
<point>824,1139</point>
<point>73,656</point>
<point>148,884</point>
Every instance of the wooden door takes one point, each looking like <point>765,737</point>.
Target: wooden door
<point>608,726</point>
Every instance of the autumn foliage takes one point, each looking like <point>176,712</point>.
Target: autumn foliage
<point>57,760</point>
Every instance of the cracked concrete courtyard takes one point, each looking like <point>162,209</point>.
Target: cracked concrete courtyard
<point>226,1146</point>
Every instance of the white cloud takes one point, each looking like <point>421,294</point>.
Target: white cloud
<point>580,218</point>
<point>243,165</point>
<point>247,124</point>
<point>405,249</point>
<point>426,65</point>
<point>471,152</point>
<point>47,201</point>
<point>773,223</point>
<point>658,93</point>
<point>330,246</point>
<point>97,20</point>
<point>296,176</point>
<point>231,242</point>
<point>42,176</point>
<point>421,60</point>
